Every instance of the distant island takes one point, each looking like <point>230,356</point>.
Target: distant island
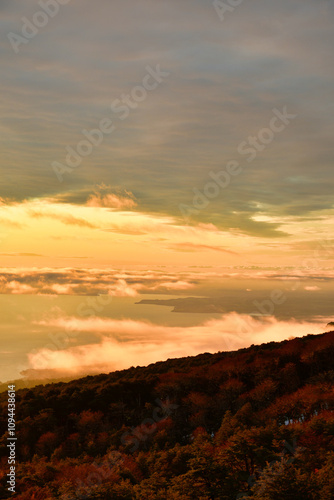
<point>190,304</point>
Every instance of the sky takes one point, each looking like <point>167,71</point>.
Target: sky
<point>142,142</point>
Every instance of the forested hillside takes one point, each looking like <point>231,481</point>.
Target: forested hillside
<point>255,423</point>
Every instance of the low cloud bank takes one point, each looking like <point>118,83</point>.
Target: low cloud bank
<point>125,343</point>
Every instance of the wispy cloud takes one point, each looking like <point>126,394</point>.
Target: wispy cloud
<point>69,220</point>
<point>192,247</point>
<point>21,254</point>
<point>11,223</point>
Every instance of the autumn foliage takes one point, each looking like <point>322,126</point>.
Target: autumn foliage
<point>255,423</point>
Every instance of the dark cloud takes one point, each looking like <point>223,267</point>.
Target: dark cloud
<point>225,79</point>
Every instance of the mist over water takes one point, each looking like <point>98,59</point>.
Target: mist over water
<point>76,335</point>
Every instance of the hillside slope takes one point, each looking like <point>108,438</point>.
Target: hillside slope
<point>257,422</point>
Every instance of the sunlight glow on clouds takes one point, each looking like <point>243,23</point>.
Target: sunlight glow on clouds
<point>110,227</point>
<point>111,201</point>
<point>145,342</point>
<point>225,79</point>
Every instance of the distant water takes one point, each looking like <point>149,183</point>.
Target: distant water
<point>21,315</point>
<point>20,333</point>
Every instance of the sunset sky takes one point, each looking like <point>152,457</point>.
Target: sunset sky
<point>165,147</point>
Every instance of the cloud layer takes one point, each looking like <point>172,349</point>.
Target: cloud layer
<point>129,283</point>
<point>124,343</point>
<point>225,79</point>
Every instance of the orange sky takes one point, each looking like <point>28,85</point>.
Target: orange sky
<point>41,233</point>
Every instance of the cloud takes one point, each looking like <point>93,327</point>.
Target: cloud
<point>122,289</point>
<point>17,288</point>
<point>7,201</point>
<point>174,285</point>
<point>61,289</point>
<point>11,223</point>
<point>70,281</point>
<point>126,343</point>
<point>225,78</point>
<point>193,247</point>
<point>67,219</point>
<point>75,221</point>
<point>111,201</point>
<point>119,230</point>
<point>87,281</point>
<point>21,254</point>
